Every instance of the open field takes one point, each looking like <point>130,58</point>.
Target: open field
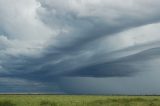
<point>81,100</point>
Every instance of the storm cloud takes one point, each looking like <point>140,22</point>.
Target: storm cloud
<point>58,45</point>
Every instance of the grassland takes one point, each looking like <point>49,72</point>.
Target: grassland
<point>82,100</point>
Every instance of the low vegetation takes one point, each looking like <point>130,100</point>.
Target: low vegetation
<point>81,100</point>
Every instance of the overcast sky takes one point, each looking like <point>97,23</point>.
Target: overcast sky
<point>80,46</point>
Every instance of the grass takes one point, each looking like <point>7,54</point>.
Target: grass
<point>75,100</point>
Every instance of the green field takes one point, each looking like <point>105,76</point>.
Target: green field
<point>82,100</point>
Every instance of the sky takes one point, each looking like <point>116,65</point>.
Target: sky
<point>80,46</point>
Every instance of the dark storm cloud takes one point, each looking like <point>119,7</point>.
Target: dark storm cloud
<point>119,68</point>
<point>104,70</point>
<point>54,39</point>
